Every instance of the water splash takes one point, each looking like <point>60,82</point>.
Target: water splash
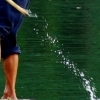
<point>88,83</point>
<point>30,14</point>
<point>71,65</point>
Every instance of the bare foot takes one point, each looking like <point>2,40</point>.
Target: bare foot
<point>9,96</point>
<point>5,96</point>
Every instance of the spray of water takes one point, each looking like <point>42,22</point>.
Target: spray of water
<point>30,14</point>
<point>87,83</point>
<point>70,65</point>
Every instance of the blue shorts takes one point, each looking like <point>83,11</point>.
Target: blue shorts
<point>10,22</point>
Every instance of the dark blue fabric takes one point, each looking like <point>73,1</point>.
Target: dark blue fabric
<point>10,22</point>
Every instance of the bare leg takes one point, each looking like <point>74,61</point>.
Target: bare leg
<point>10,70</point>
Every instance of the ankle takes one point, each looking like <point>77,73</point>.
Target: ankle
<point>5,95</point>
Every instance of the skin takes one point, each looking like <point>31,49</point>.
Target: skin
<point>10,71</point>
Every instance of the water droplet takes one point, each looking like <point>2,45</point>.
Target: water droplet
<point>78,7</point>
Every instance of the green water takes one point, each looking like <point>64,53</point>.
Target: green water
<point>60,57</point>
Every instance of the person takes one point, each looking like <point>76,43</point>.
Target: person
<point>10,22</point>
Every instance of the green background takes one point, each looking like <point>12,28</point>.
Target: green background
<point>57,47</point>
